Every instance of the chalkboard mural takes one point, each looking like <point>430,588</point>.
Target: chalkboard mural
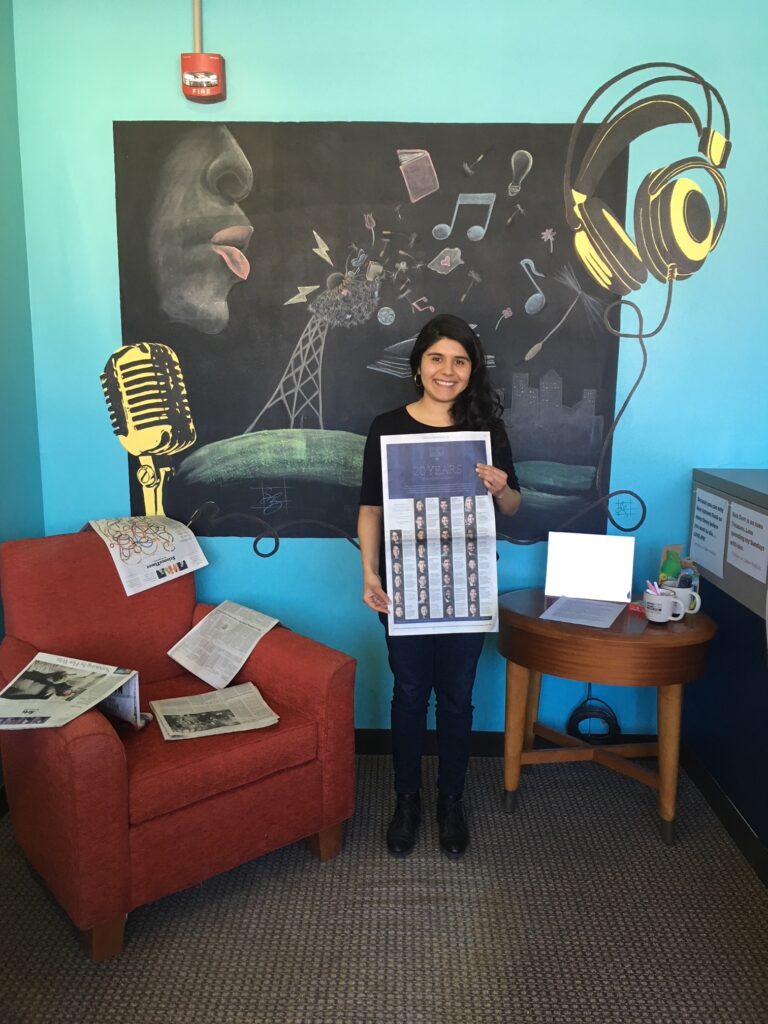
<point>274,277</point>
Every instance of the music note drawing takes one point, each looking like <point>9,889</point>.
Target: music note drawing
<point>536,302</point>
<point>477,232</point>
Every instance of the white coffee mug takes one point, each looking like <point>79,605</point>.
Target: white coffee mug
<point>663,607</point>
<point>689,597</point>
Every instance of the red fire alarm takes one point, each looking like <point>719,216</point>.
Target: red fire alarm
<point>202,74</point>
<point>202,77</point>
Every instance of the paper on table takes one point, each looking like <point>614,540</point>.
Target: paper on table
<point>583,613</point>
<point>216,648</point>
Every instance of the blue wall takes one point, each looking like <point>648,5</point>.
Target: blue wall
<point>82,65</point>
<point>21,508</point>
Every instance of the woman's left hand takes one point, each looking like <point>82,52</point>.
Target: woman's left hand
<point>494,480</point>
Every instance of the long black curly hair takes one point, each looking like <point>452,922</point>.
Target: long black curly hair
<point>478,407</point>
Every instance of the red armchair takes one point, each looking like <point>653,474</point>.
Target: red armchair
<point>111,819</point>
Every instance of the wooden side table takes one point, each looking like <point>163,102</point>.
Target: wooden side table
<point>632,652</point>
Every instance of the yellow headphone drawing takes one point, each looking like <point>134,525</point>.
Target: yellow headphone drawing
<point>674,230</point>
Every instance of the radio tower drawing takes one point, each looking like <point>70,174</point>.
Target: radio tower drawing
<point>348,303</point>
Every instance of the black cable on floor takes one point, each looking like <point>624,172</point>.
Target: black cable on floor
<point>593,709</point>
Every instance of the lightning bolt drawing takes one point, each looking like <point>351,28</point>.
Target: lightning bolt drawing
<point>322,248</point>
<point>304,291</point>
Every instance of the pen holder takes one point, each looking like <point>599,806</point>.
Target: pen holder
<point>663,607</point>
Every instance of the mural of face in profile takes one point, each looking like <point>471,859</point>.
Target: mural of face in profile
<point>198,233</point>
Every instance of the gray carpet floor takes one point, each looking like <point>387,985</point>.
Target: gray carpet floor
<point>570,911</point>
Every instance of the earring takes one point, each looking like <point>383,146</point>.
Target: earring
<point>417,379</point>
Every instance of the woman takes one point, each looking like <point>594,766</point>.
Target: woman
<point>449,372</point>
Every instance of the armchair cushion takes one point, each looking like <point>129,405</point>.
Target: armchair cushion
<point>166,775</point>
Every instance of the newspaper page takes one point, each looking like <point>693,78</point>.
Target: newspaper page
<point>53,690</point>
<point>216,648</point>
<point>149,550</point>
<point>124,704</point>
<point>235,709</point>
<point>440,534</point>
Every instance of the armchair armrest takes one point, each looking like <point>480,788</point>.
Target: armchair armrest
<point>68,796</point>
<point>14,655</point>
<point>318,681</point>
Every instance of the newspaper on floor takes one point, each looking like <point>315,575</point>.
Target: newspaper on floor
<point>216,648</point>
<point>53,690</point>
<point>440,534</point>
<point>235,709</point>
<point>149,550</point>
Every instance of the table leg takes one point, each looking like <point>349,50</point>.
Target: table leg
<point>670,709</point>
<point>531,707</point>
<point>518,679</point>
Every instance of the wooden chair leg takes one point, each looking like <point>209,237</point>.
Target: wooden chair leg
<point>325,844</point>
<point>105,940</point>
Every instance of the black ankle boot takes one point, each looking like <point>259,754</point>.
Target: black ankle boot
<point>454,834</point>
<point>401,834</point>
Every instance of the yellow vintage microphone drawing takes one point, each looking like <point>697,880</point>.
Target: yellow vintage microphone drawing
<point>148,406</point>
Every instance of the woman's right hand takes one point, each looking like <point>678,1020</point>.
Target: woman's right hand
<point>374,594</point>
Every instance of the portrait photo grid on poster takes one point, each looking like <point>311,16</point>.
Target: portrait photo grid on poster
<point>440,528</point>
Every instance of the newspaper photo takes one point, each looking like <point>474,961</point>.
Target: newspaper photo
<point>149,550</point>
<point>440,534</point>
<point>53,690</point>
<point>232,710</point>
<point>216,648</point>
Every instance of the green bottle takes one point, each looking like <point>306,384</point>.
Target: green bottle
<point>670,567</point>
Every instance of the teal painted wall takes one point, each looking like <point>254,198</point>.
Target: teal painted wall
<point>21,508</point>
<point>82,65</point>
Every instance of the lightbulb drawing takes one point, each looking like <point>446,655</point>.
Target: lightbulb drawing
<point>521,162</point>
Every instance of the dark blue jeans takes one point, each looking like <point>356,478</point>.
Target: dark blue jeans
<point>445,663</point>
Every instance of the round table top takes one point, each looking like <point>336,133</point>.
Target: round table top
<point>630,652</point>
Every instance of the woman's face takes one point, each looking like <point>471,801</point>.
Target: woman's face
<point>445,370</point>
<point>198,233</point>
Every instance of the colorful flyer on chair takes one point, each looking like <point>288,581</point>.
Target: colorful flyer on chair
<point>439,534</point>
<point>149,550</point>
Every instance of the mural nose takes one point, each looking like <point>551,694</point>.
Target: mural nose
<point>229,174</point>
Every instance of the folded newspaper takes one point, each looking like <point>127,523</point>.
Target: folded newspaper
<point>216,648</point>
<point>53,690</point>
<point>235,709</point>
